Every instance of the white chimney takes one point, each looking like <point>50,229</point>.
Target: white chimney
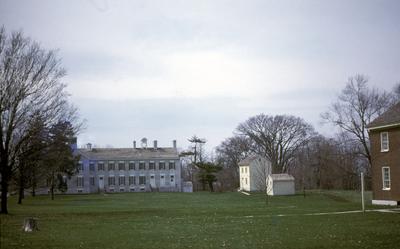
<point>89,146</point>
<point>155,144</point>
<point>174,143</point>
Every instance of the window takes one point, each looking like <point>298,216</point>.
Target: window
<point>100,166</point>
<point>245,169</point>
<point>172,178</point>
<point>132,180</point>
<point>384,141</point>
<point>245,179</point>
<point>131,165</point>
<point>80,166</point>
<point>79,181</point>
<point>386,178</point>
<point>121,190</point>
<point>111,181</point>
<point>171,165</point>
<point>142,180</point>
<point>152,165</point>
<point>121,166</point>
<point>142,165</point>
<point>161,165</point>
<point>121,180</point>
<point>91,166</point>
<point>111,165</point>
<point>241,169</point>
<point>92,180</point>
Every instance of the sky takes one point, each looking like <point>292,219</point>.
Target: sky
<point>169,70</point>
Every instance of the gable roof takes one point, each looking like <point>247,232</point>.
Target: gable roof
<point>248,160</point>
<point>281,177</point>
<point>128,153</point>
<point>389,118</point>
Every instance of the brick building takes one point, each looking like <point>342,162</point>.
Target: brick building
<point>384,133</point>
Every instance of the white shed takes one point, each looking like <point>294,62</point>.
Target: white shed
<point>280,184</point>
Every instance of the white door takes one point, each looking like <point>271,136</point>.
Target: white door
<point>162,180</point>
<point>101,183</point>
<point>152,181</point>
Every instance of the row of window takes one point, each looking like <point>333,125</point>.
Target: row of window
<point>131,166</point>
<point>243,169</point>
<point>121,189</point>
<point>121,180</point>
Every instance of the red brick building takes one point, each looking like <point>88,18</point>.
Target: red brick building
<point>384,133</point>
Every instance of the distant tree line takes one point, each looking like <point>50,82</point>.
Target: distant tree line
<point>38,124</point>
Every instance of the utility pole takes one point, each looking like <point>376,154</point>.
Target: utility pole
<point>362,192</point>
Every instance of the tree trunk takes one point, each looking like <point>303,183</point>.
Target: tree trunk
<point>52,186</point>
<point>21,186</point>
<point>4,185</point>
<point>52,191</point>
<point>4,192</point>
<point>33,178</point>
<point>20,194</point>
<point>33,189</point>
<point>210,184</point>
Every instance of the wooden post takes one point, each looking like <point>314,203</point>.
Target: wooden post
<point>362,192</point>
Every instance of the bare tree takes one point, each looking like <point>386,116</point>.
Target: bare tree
<point>261,168</point>
<point>29,87</point>
<point>277,138</point>
<point>198,150</point>
<point>396,91</point>
<point>228,154</point>
<point>355,108</point>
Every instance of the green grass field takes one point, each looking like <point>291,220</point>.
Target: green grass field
<point>199,220</point>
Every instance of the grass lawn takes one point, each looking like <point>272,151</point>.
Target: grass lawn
<point>198,220</point>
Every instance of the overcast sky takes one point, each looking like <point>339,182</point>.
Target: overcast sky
<point>169,69</point>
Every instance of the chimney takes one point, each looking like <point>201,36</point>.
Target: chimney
<point>134,144</point>
<point>155,144</point>
<point>89,146</point>
<point>174,143</point>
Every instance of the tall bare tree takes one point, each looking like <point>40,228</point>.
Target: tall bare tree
<point>355,108</point>
<point>277,138</point>
<point>30,85</point>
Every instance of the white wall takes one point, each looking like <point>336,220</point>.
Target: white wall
<point>280,187</point>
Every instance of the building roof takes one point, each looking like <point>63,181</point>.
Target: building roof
<point>281,177</point>
<point>248,160</point>
<point>129,153</point>
<point>388,118</point>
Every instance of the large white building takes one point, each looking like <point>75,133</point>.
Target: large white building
<point>253,172</point>
<point>127,169</point>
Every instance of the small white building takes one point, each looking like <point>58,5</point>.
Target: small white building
<point>253,172</point>
<point>280,184</point>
